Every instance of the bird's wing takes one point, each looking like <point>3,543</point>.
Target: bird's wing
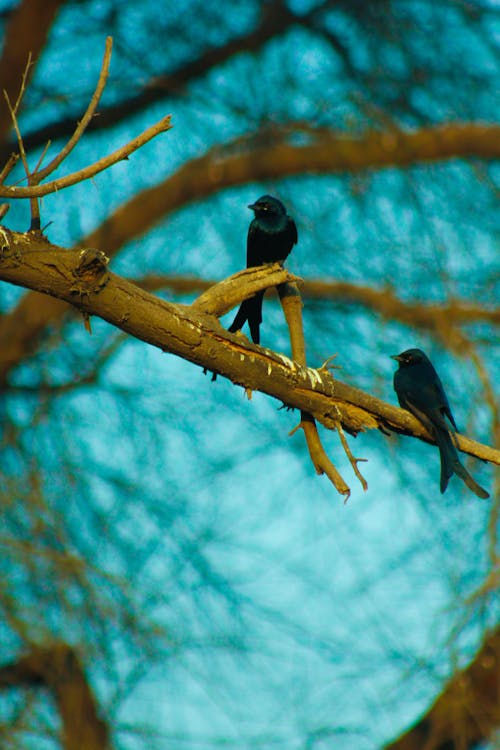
<point>253,258</point>
<point>426,400</point>
<point>293,231</point>
<point>443,404</point>
<point>422,415</point>
<point>447,412</point>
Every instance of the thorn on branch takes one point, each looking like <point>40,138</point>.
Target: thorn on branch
<point>327,365</point>
<point>86,322</point>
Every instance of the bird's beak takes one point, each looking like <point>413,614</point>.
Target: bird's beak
<point>397,357</point>
<point>252,206</point>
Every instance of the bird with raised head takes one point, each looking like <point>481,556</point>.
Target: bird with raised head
<point>271,236</point>
<point>420,391</point>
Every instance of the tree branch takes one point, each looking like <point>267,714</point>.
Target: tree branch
<point>26,34</point>
<point>200,339</point>
<point>58,667</point>
<point>275,19</point>
<point>468,710</point>
<point>223,296</point>
<point>291,303</point>
<point>21,328</point>
<point>328,153</point>
<point>84,122</point>
<point>37,191</point>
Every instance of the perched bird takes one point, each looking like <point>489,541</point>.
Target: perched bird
<point>271,236</point>
<point>420,391</point>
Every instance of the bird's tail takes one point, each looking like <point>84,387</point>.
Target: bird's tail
<point>450,464</point>
<point>251,310</point>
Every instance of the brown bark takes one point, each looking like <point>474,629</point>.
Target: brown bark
<point>21,329</point>
<point>26,33</point>
<point>58,668</point>
<point>468,710</point>
<point>197,337</point>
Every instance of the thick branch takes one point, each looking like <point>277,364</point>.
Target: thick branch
<point>20,329</point>
<point>384,302</point>
<point>222,297</point>
<point>58,667</point>
<point>200,339</point>
<point>195,180</point>
<point>467,711</point>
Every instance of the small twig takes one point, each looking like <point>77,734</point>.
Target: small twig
<point>87,172</point>
<point>4,207</point>
<point>354,461</point>
<point>23,84</point>
<point>35,174</point>
<point>9,166</point>
<point>34,207</point>
<point>327,364</point>
<point>20,143</point>
<point>291,302</point>
<point>320,460</point>
<point>103,77</point>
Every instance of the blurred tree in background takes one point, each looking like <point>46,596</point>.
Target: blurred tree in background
<point>174,574</point>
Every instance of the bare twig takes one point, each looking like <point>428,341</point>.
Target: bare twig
<point>35,173</point>
<point>87,172</point>
<point>319,458</point>
<point>15,124</point>
<point>34,207</point>
<point>354,461</point>
<point>9,166</point>
<point>291,302</point>
<point>87,117</point>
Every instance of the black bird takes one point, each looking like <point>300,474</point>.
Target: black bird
<point>271,236</point>
<point>420,391</point>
